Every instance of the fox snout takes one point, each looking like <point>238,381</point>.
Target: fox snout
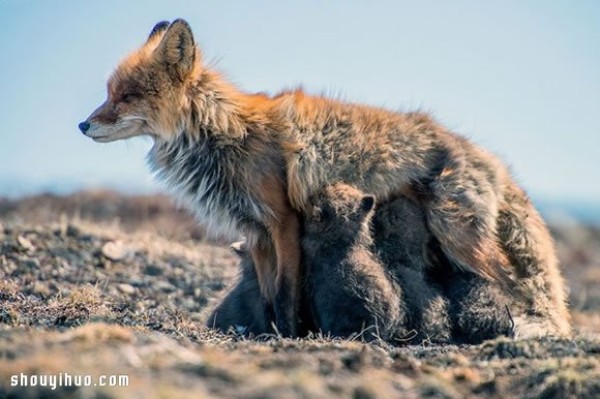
<point>109,123</point>
<point>84,126</point>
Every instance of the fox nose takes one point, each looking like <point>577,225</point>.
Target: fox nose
<point>84,126</point>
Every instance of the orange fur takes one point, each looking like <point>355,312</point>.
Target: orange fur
<point>248,164</point>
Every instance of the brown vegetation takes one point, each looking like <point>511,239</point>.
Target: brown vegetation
<point>80,293</point>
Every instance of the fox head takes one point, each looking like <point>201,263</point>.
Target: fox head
<point>147,91</point>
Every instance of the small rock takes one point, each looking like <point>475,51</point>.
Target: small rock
<point>364,393</point>
<point>164,286</point>
<point>355,361</point>
<point>153,270</point>
<point>189,304</point>
<point>136,282</point>
<point>114,251</point>
<point>73,231</point>
<point>41,289</point>
<point>30,264</point>
<point>6,317</point>
<point>87,238</point>
<point>197,317</point>
<point>467,374</point>
<point>25,244</point>
<point>126,288</point>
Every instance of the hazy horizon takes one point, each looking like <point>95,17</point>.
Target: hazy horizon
<point>521,79</point>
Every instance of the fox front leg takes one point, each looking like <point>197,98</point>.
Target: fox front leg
<point>277,268</point>
<point>279,286</point>
<point>286,304</point>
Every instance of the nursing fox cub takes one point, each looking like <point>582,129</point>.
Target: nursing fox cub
<point>246,164</point>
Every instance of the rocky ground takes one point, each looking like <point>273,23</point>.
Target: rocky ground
<point>104,285</point>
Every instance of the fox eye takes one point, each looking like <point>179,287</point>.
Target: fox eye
<point>128,97</point>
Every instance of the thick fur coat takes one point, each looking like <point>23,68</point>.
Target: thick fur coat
<point>247,164</point>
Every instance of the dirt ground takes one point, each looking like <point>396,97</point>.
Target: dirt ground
<point>100,284</point>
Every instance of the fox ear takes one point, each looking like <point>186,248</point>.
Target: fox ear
<point>317,214</point>
<point>367,203</point>
<point>177,50</point>
<point>158,29</point>
<point>239,248</point>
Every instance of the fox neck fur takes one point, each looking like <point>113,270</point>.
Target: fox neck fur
<point>224,153</point>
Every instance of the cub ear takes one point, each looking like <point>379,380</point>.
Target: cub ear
<point>367,203</point>
<point>158,29</point>
<point>317,214</point>
<point>176,50</point>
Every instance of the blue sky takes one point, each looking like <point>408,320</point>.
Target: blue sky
<point>521,78</point>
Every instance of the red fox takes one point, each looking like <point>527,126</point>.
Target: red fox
<point>247,164</point>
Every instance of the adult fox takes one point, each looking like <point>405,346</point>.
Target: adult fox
<point>247,164</point>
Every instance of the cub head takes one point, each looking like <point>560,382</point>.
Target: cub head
<point>146,92</point>
<point>338,211</point>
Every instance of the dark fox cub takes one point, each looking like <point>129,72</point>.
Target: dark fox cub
<point>447,300</point>
<point>241,311</point>
<point>348,288</point>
